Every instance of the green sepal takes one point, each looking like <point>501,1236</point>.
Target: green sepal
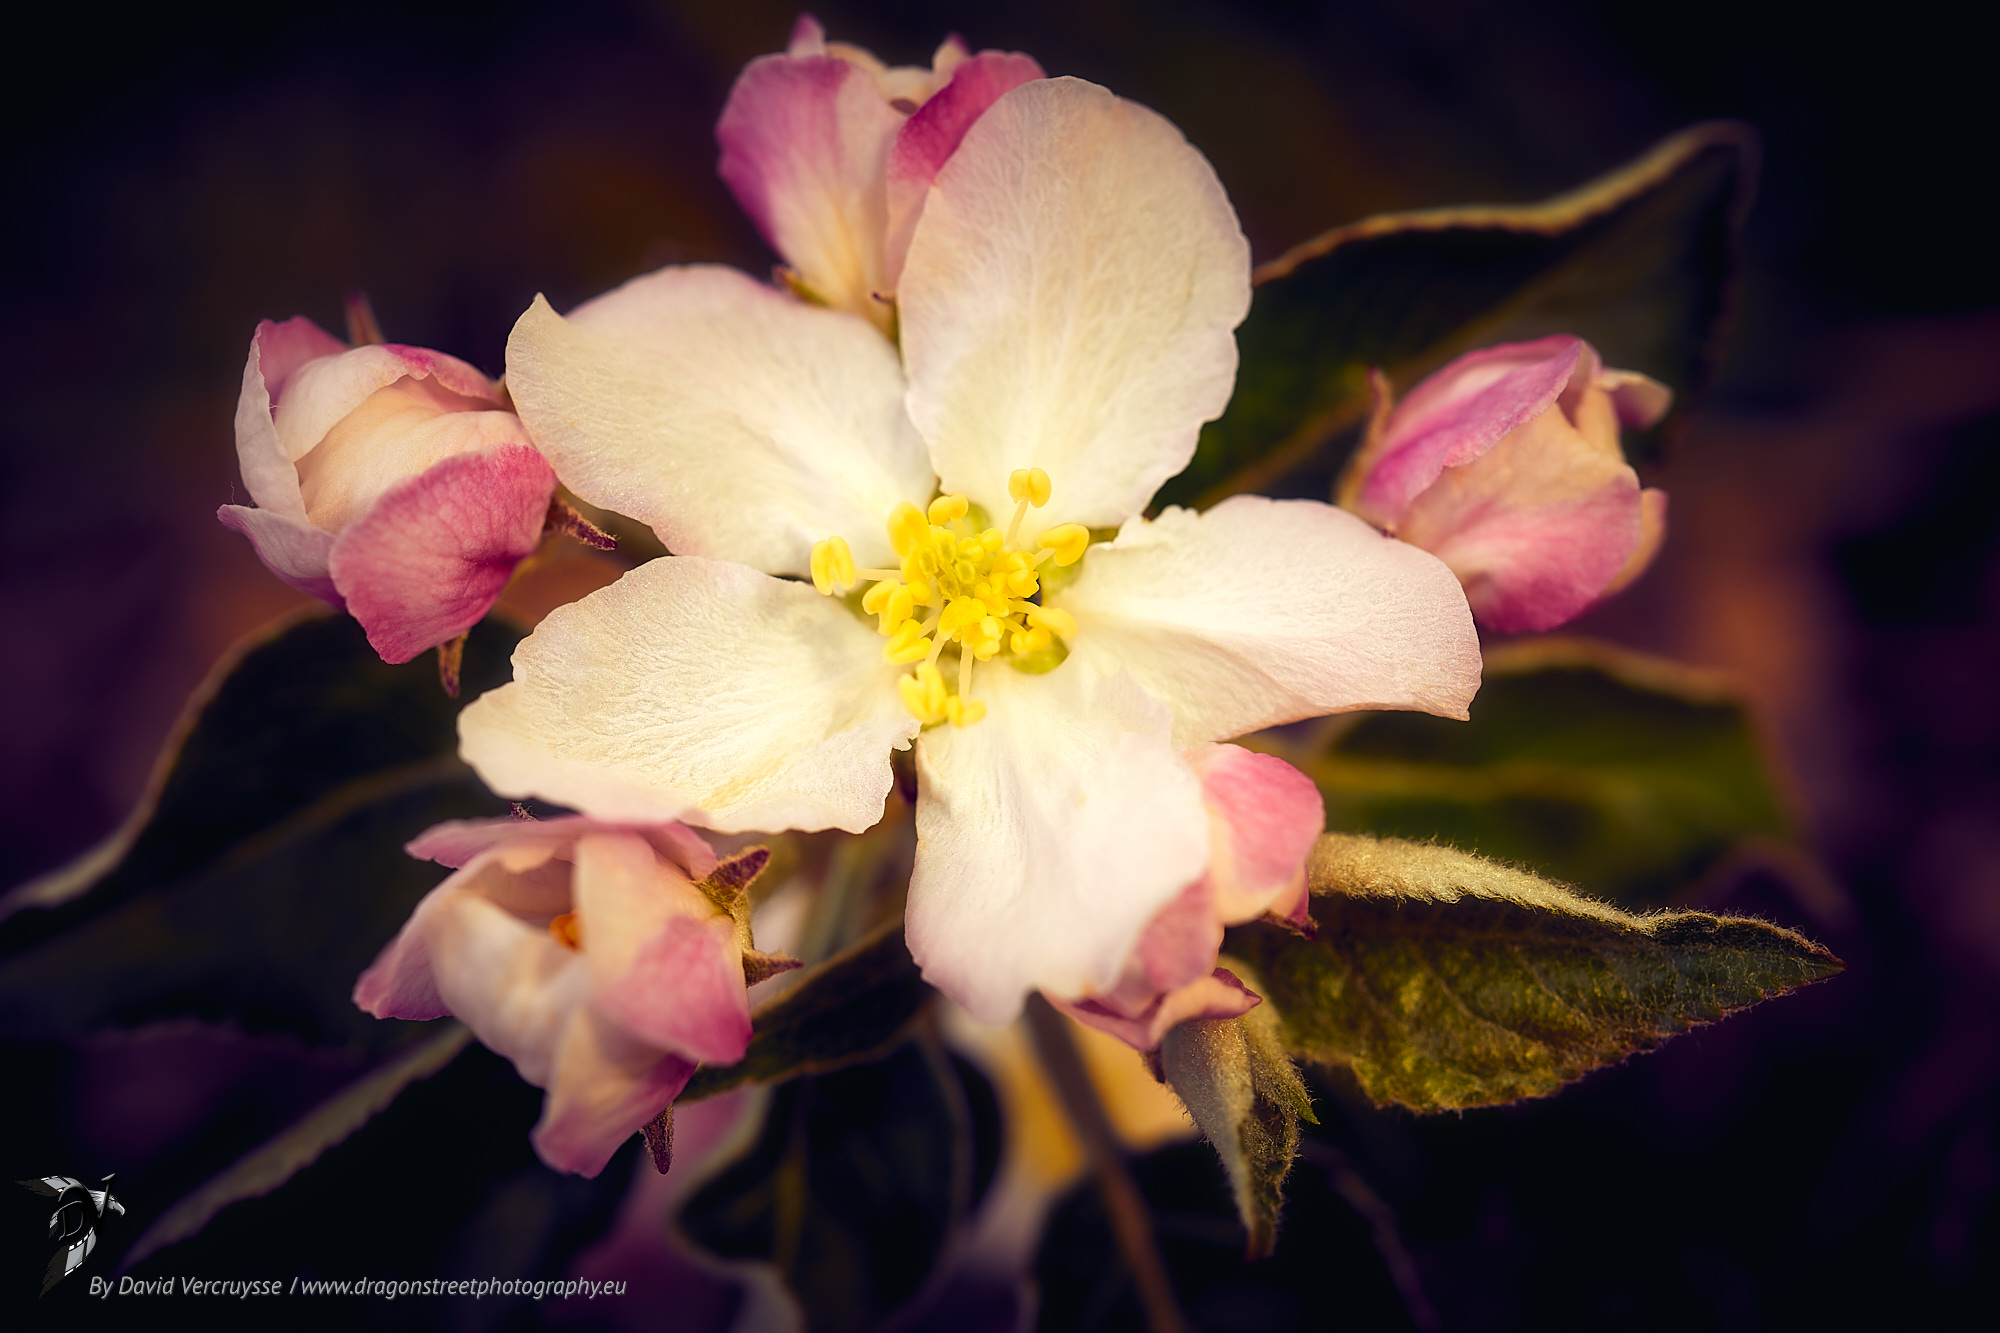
<point>1235,1079</point>
<point>850,1008</point>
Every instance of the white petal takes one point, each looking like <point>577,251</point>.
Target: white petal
<point>1262,611</point>
<point>702,690</point>
<point>1068,302</point>
<point>1047,837</point>
<point>512,984</point>
<point>739,423</point>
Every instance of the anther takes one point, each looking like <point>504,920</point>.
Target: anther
<point>906,644</point>
<point>947,508</point>
<point>567,930</point>
<point>907,528</point>
<point>1067,541</point>
<point>832,566</point>
<point>1029,484</point>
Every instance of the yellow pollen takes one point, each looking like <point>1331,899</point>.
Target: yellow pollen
<point>974,587</point>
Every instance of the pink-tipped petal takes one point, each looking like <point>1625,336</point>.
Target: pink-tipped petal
<point>291,548</point>
<point>1460,412</point>
<point>1217,995</point>
<point>1178,946</point>
<point>322,392</point>
<point>604,1087</point>
<point>805,145</point>
<point>1264,816</point>
<point>930,136</point>
<point>457,841</point>
<point>426,562</point>
<point>1535,529</point>
<point>1641,400</point>
<point>399,983</point>
<point>684,992</point>
<point>1652,536</point>
<point>808,37</point>
<point>277,353</point>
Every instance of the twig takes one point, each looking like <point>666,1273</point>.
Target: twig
<point>1381,1219</point>
<point>1130,1222</point>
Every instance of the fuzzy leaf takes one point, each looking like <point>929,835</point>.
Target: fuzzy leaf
<point>1446,981</point>
<point>1590,765</point>
<point>1637,261</point>
<point>858,1182</point>
<point>265,869</point>
<point>1244,1093</point>
<point>852,1007</point>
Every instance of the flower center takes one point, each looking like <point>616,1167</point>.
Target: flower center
<point>961,586</point>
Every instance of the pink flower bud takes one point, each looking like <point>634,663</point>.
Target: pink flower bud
<point>390,481</point>
<point>586,953</point>
<point>832,154</point>
<point>1506,465</point>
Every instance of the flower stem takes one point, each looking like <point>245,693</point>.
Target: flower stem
<point>1131,1225</point>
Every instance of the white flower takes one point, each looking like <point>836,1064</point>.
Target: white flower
<point>1066,313</point>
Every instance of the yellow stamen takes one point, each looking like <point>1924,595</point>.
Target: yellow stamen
<point>1055,620</point>
<point>947,509</point>
<point>1030,484</point>
<point>1067,541</point>
<point>832,566</point>
<point>907,644</point>
<point>907,528</point>
<point>962,712</point>
<point>924,694</point>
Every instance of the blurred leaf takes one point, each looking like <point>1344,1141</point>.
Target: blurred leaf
<point>1625,774</point>
<point>1446,981</point>
<point>265,870</point>
<point>267,1167</point>
<point>1236,1080</point>
<point>858,1182</point>
<point>852,1007</point>
<point>1637,261</point>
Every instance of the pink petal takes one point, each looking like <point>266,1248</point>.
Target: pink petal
<point>400,983</point>
<point>805,144</point>
<point>427,561</point>
<point>1178,946</point>
<point>808,37</point>
<point>933,133</point>
<point>277,352</point>
<point>456,841</point>
<point>1535,529</point>
<point>1652,536</point>
<point>291,548</point>
<point>1460,412</point>
<point>685,992</point>
<point>317,395</point>
<point>1264,816</point>
<point>1217,995</point>
<point>1641,400</point>
<point>605,1086</point>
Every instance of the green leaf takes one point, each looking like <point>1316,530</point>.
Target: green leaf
<point>852,1007</point>
<point>1637,261</point>
<point>1244,1093</point>
<point>265,869</point>
<point>1591,765</point>
<point>858,1182</point>
<point>1446,981</point>
<point>273,1163</point>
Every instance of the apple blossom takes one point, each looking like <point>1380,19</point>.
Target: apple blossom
<point>1067,308</point>
<point>390,481</point>
<point>832,154</point>
<point>594,956</point>
<point>1506,465</point>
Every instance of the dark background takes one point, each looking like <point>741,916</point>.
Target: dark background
<point>175,173</point>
